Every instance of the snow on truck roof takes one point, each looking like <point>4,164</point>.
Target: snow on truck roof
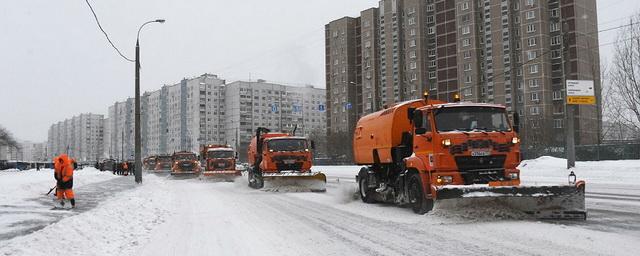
<point>464,104</point>
<point>287,138</point>
<point>219,149</point>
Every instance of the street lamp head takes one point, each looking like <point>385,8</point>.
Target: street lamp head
<point>160,20</point>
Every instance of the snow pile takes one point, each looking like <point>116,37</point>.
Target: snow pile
<point>115,227</point>
<point>553,170</point>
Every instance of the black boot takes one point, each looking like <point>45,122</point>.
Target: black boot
<point>73,202</point>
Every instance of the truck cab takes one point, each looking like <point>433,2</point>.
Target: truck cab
<point>220,161</point>
<point>185,163</point>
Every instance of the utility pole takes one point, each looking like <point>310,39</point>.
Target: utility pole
<point>138,141</point>
<point>570,148</point>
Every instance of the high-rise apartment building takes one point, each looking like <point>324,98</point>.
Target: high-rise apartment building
<point>506,52</point>
<point>253,104</point>
<point>206,110</point>
<point>81,137</point>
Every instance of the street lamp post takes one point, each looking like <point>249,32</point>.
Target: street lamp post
<point>138,143</point>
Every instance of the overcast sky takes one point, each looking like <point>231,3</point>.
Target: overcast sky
<point>55,63</point>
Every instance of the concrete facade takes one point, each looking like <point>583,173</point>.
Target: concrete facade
<point>496,51</point>
<point>81,137</point>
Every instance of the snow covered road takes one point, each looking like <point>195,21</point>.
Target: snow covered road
<point>191,217</point>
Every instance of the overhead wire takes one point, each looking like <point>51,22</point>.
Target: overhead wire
<point>105,33</point>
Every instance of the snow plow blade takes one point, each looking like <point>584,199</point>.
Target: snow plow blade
<point>542,202</point>
<point>295,182</point>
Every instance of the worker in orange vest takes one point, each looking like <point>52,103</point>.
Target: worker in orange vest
<point>63,174</point>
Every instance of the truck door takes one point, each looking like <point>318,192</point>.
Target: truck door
<point>423,136</point>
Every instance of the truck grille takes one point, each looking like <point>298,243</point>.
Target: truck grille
<point>289,167</point>
<point>479,144</point>
<point>481,169</point>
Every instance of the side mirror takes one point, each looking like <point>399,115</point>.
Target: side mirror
<point>313,145</point>
<point>236,155</point>
<point>421,130</point>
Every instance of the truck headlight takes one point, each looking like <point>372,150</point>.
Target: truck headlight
<point>513,175</point>
<point>444,179</point>
<point>446,142</point>
<point>515,140</point>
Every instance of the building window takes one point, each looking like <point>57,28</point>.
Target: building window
<point>412,54</point>
<point>432,52</point>
<point>467,79</point>
<point>412,21</point>
<point>555,54</point>
<point>558,123</point>
<point>554,27</point>
<point>413,65</point>
<point>467,67</point>
<point>530,2</point>
<point>367,44</point>
<point>520,98</point>
<point>466,30</point>
<point>531,28</point>
<point>532,41</point>
<point>432,63</point>
<point>412,32</point>
<point>516,20</point>
<point>431,30</point>
<point>531,15</point>
<point>467,54</point>
<point>429,19</point>
<point>412,43</point>
<point>466,42</point>
<point>464,6</point>
<point>534,110</point>
<point>532,55</point>
<point>414,77</point>
<point>467,92</point>
<point>533,69</point>
<point>557,95</point>
<point>555,12</point>
<point>430,7</point>
<point>534,96</point>
<point>533,83</point>
<point>432,74</point>
<point>555,40</point>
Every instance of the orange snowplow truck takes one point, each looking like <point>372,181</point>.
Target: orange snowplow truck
<point>185,164</point>
<point>423,151</point>
<point>219,162</point>
<point>282,160</point>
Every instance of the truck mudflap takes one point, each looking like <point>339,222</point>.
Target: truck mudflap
<point>295,181</point>
<point>541,202</point>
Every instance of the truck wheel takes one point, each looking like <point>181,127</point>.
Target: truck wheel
<point>419,203</point>
<point>366,193</point>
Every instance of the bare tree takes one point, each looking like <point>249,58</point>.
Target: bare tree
<point>6,139</point>
<point>624,77</point>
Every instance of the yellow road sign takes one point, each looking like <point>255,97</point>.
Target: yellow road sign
<point>581,100</point>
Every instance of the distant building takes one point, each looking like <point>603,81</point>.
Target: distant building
<point>253,104</point>
<point>81,137</point>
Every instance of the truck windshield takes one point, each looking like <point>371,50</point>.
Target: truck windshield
<point>487,119</point>
<point>164,159</point>
<point>184,157</point>
<point>287,145</point>
<point>220,154</point>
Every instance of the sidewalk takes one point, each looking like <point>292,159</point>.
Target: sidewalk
<point>24,219</point>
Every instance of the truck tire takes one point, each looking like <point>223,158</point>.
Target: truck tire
<point>255,181</point>
<point>419,203</point>
<point>366,193</point>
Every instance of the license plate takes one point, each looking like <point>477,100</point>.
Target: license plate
<point>480,153</point>
<point>289,161</point>
<point>221,165</point>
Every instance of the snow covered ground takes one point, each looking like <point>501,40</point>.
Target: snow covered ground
<point>190,217</point>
